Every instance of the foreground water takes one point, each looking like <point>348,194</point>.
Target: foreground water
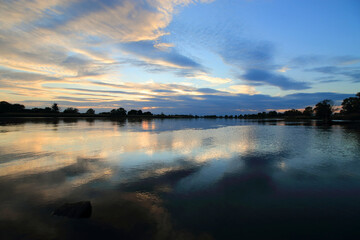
<point>180,179</point>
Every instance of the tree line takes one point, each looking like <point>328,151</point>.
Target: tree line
<point>325,110</point>
<point>350,107</point>
<point>6,107</point>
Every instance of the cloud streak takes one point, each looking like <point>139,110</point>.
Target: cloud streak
<point>260,77</point>
<point>218,104</point>
<point>148,52</point>
<point>178,99</point>
<point>352,73</point>
<point>79,40</point>
<point>82,43</point>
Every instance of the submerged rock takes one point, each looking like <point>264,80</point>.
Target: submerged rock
<point>74,210</point>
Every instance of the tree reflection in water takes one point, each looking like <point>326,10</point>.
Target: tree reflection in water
<point>207,179</point>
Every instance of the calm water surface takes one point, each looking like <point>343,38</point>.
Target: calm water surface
<point>180,179</point>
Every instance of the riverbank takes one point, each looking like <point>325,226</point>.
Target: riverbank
<point>72,118</point>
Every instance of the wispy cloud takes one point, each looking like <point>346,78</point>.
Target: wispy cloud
<point>74,42</point>
<point>210,79</point>
<point>261,77</point>
<point>76,51</point>
<point>40,37</point>
<point>352,73</point>
<point>247,54</point>
<point>256,59</point>
<point>243,89</point>
<point>175,99</point>
<point>316,60</point>
<point>283,69</point>
<point>150,53</point>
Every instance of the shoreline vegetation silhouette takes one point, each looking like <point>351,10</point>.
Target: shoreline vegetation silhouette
<point>323,110</point>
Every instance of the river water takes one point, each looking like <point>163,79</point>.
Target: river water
<point>180,179</point>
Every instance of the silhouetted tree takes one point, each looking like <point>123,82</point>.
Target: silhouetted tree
<point>4,106</point>
<point>36,110</point>
<point>308,111</point>
<point>18,107</point>
<point>71,110</point>
<point>118,112</point>
<point>324,110</point>
<point>351,105</point>
<point>263,115</point>
<point>272,114</point>
<point>55,108</point>
<point>134,112</point>
<point>41,110</point>
<point>8,107</point>
<point>90,111</point>
<point>292,113</point>
<point>147,114</point>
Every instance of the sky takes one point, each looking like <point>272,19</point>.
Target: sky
<point>179,56</point>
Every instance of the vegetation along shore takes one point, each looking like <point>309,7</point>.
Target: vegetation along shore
<point>324,110</point>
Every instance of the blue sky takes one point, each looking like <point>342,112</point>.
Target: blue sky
<point>179,56</point>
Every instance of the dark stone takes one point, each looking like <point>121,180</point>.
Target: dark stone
<point>74,210</point>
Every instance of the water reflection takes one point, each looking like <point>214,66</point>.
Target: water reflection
<point>184,179</point>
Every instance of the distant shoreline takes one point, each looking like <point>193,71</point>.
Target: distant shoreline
<point>323,111</point>
<point>69,117</point>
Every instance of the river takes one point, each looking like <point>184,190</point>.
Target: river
<point>180,179</point>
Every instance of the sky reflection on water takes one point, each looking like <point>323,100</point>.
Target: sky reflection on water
<point>161,179</point>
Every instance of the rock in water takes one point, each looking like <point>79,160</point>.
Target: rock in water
<point>74,210</point>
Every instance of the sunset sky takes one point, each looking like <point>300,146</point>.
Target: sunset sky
<point>179,56</point>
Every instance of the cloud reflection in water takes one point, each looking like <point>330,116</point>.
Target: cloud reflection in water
<point>149,179</point>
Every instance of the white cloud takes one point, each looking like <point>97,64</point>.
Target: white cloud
<point>163,46</point>
<point>27,45</point>
<point>23,12</point>
<point>214,80</point>
<point>64,43</point>
<point>244,89</point>
<point>283,69</point>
